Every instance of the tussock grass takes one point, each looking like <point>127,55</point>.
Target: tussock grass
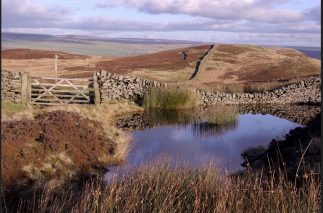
<point>169,98</point>
<point>165,188</point>
<point>221,115</point>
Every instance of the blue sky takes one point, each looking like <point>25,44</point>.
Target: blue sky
<point>282,22</point>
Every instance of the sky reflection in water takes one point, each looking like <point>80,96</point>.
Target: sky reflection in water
<point>223,147</point>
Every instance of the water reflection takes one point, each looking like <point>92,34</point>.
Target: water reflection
<point>208,129</point>
<point>201,140</point>
<point>202,122</point>
<point>218,134</point>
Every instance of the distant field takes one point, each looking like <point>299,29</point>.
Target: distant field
<point>41,62</point>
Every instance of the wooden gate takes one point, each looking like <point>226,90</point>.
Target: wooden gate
<point>58,91</point>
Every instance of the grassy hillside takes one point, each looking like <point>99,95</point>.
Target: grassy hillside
<point>245,63</point>
<point>165,65</point>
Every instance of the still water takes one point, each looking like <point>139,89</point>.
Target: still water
<point>198,140</point>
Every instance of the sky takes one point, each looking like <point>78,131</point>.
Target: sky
<point>271,22</point>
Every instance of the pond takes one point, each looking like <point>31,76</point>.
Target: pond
<point>198,136</point>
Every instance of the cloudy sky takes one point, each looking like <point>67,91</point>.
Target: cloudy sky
<point>282,22</point>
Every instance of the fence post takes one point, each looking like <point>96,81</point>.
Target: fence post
<point>25,88</point>
<point>97,95</point>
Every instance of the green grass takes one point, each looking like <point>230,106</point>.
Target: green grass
<point>10,107</point>
<point>169,98</point>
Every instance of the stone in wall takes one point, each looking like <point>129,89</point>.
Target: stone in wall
<point>119,87</point>
<point>11,86</point>
<point>307,91</point>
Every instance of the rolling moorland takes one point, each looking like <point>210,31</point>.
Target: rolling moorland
<point>60,151</point>
<point>228,68</point>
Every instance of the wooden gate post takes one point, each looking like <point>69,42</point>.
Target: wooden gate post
<point>97,95</point>
<point>25,88</point>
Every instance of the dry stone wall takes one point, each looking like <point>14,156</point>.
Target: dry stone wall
<point>306,91</point>
<point>298,113</point>
<point>11,86</point>
<point>118,87</point>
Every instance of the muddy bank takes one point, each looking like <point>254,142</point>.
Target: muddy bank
<point>298,155</point>
<point>54,144</point>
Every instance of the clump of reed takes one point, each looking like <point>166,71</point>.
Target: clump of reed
<point>222,115</point>
<point>163,187</point>
<point>169,98</point>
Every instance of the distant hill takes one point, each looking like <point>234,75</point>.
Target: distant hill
<point>314,53</point>
<point>85,45</point>
<point>82,39</point>
<point>37,54</point>
<point>247,63</point>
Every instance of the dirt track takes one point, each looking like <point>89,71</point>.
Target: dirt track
<point>53,144</point>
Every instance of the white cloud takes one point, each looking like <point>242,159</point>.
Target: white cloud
<point>24,13</point>
<point>254,10</point>
<point>261,20</point>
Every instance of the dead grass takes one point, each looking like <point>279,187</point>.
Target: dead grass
<point>44,67</point>
<point>165,76</point>
<point>248,87</point>
<point>165,188</point>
